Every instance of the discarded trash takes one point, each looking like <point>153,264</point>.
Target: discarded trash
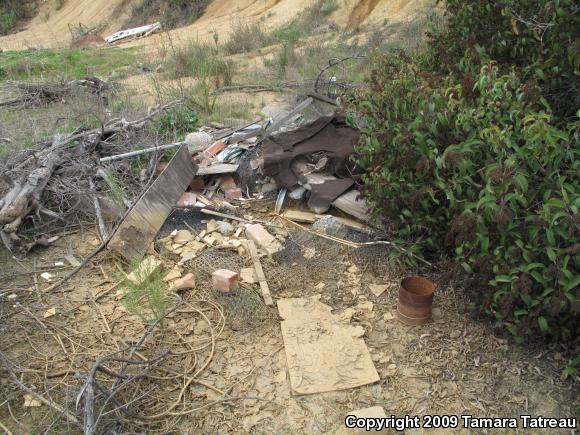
<point>415,300</point>
<point>378,289</point>
<point>31,402</point>
<point>133,33</point>
<point>49,313</point>
<point>324,352</point>
<point>47,276</point>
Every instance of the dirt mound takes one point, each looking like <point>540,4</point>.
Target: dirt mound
<point>50,28</point>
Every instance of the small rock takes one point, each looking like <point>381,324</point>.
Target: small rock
<point>183,236</point>
<point>212,226</point>
<point>49,313</point>
<point>388,316</point>
<point>242,251</point>
<point>209,240</point>
<point>47,276</point>
<point>378,289</point>
<point>173,274</point>
<point>353,269</point>
<point>269,187</point>
<point>262,238</point>
<point>225,228</point>
<point>187,256</point>
<point>58,264</point>
<point>368,306</point>
<point>248,275</point>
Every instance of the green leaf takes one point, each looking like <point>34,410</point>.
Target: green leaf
<point>543,324</point>
<point>551,254</point>
<point>575,282</point>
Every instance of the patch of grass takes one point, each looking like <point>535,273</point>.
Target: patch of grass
<point>146,297</point>
<point>73,64</point>
<point>247,37</point>
<point>307,22</point>
<point>201,61</point>
<point>116,192</point>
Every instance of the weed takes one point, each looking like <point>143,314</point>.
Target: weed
<point>176,122</point>
<point>202,61</point>
<point>116,191</point>
<point>247,37</point>
<point>145,296</point>
<point>59,4</point>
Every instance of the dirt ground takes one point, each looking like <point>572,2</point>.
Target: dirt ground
<point>454,365</point>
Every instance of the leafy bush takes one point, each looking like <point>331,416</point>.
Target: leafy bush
<point>539,37</point>
<point>11,11</point>
<point>176,122</point>
<point>247,37</point>
<point>478,166</point>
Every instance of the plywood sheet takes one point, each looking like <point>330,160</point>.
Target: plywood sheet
<point>324,351</point>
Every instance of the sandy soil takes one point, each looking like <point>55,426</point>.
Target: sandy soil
<point>49,29</point>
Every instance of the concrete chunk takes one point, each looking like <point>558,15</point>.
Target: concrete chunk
<point>262,238</point>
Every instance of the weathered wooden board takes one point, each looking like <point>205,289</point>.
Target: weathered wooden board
<point>349,204</point>
<point>221,168</point>
<point>139,228</point>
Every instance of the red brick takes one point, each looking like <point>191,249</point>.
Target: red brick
<point>225,280</point>
<point>228,182</point>
<point>188,199</point>
<point>213,150</point>
<point>197,183</point>
<point>235,193</point>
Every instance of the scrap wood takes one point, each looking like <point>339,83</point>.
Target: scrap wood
<point>139,228</point>
<point>253,251</point>
<point>140,152</point>
<point>220,168</point>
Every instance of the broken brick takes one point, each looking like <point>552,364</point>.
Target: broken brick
<point>197,183</point>
<point>188,199</point>
<point>225,280</point>
<point>235,193</point>
<point>187,282</point>
<point>228,182</point>
<point>211,151</point>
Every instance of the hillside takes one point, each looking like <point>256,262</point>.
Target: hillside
<point>50,27</point>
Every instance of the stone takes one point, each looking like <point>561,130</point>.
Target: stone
<point>211,226</point>
<point>262,238</point>
<point>225,280</point>
<point>173,274</point>
<point>209,240</point>
<point>184,283</point>
<point>49,313</point>
<point>353,269</point>
<point>225,228</point>
<point>233,193</point>
<point>47,276</point>
<point>388,316</point>
<point>183,236</point>
<point>378,289</point>
<point>197,141</point>
<point>248,275</point>
<point>269,187</point>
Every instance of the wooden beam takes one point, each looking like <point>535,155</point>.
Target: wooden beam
<point>253,251</point>
<point>220,168</point>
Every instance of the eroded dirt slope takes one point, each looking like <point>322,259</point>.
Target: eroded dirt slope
<point>50,28</point>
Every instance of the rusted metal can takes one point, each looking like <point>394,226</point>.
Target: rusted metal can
<point>415,300</point>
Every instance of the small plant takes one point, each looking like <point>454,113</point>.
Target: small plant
<point>247,37</point>
<point>145,295</point>
<point>116,191</point>
<point>59,4</point>
<point>176,122</point>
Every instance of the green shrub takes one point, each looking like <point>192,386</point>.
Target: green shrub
<point>477,167</point>
<point>176,122</point>
<point>201,61</point>
<point>247,37</point>
<point>539,37</point>
<point>171,13</point>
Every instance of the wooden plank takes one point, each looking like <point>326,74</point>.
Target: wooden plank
<point>139,228</point>
<point>253,251</point>
<point>220,168</point>
<point>349,204</point>
<point>309,218</point>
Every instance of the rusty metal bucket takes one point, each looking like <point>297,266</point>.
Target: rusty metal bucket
<point>415,300</point>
